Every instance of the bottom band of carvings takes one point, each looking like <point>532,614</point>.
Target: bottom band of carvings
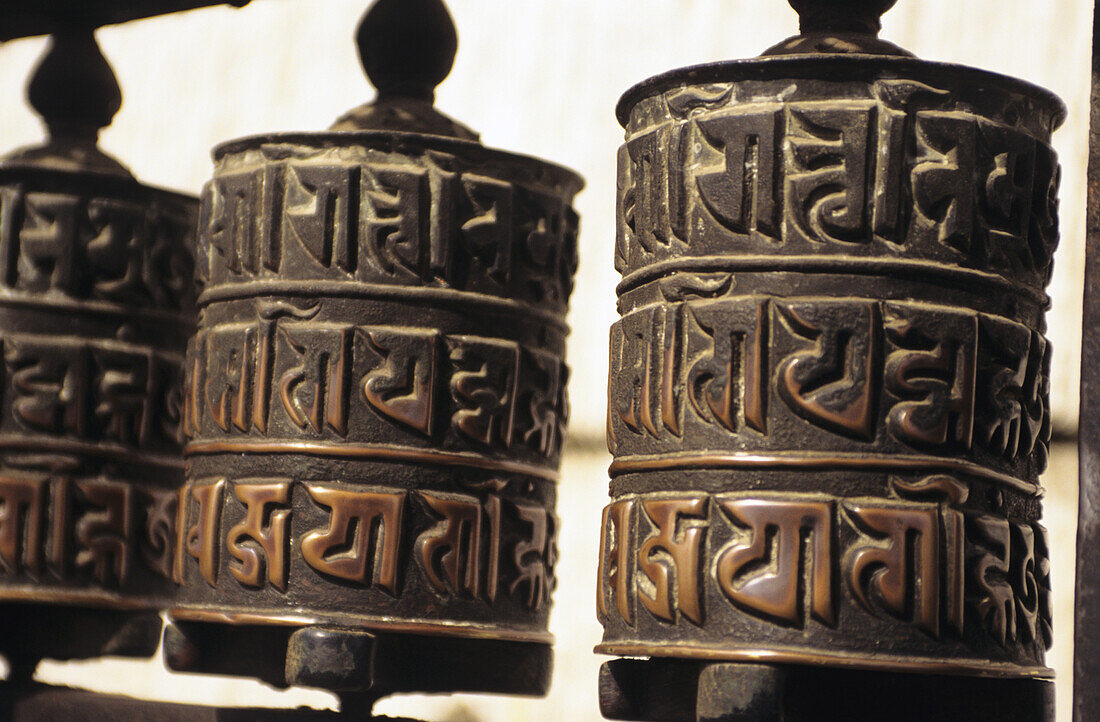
<point>915,665</point>
<point>432,628</point>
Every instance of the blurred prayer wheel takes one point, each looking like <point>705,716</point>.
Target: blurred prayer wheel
<point>95,312</point>
<point>375,402</point>
<point>828,400</point>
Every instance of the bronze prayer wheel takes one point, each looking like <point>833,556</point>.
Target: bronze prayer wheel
<point>376,398</point>
<point>96,307</point>
<point>828,400</point>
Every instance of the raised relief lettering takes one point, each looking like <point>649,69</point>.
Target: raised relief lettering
<point>1002,376</point>
<point>616,570</point>
<point>832,382</point>
<point>52,226</point>
<point>943,180</point>
<point>765,573</point>
<point>533,557</point>
<point>484,388</point>
<point>199,534</point>
<point>825,194</point>
<point>316,392</point>
<point>261,541</point>
<point>487,235</point>
<point>1008,168</point>
<point>126,390</point>
<point>989,560</point>
<point>1024,575</point>
<point>669,559</point>
<point>540,402</point>
<point>50,390</point>
<point>157,546</point>
<point>727,379</point>
<point>403,387</point>
<point>22,510</point>
<point>105,535</point>
<point>636,359</point>
<point>363,540</point>
<point>740,192</point>
<point>321,213</point>
<point>897,565</point>
<point>114,250</point>
<point>450,552</point>
<point>933,370</point>
<point>398,234</point>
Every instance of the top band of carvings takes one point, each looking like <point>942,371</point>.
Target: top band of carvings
<point>69,238</point>
<point>362,218</point>
<point>893,170</point>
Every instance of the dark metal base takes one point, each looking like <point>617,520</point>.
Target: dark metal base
<point>41,703</point>
<point>666,690</point>
<point>363,666</point>
<point>32,632</point>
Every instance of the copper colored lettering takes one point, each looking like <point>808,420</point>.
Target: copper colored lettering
<point>267,517</point>
<point>615,569</point>
<point>22,506</point>
<point>363,540</point>
<point>765,575</point>
<point>450,552</point>
<point>670,559</point>
<point>106,536</point>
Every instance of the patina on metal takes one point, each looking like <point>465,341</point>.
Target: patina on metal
<point>376,398</point>
<point>828,400</point>
<point>96,307</point>
<point>1086,648</point>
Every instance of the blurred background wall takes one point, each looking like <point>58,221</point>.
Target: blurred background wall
<point>542,77</point>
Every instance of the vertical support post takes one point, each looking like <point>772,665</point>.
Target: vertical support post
<point>1086,664</point>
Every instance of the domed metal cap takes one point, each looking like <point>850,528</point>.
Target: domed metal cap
<point>839,26</point>
<point>75,91</point>
<point>407,48</point>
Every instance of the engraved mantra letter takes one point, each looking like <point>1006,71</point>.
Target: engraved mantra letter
<point>616,571</point>
<point>785,537</point>
<point>363,539</point>
<point>22,506</point>
<point>833,383</point>
<point>200,540</point>
<point>900,563</point>
<point>403,387</point>
<point>267,516</point>
<point>669,560</point>
<point>106,535</point>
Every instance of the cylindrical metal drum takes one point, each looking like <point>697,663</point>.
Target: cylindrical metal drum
<point>376,400</point>
<point>96,306</point>
<point>828,400</point>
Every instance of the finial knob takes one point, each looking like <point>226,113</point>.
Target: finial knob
<point>407,47</point>
<point>839,26</point>
<point>841,16</point>
<point>74,90</point>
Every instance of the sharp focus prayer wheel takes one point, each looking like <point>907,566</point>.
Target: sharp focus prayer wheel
<point>828,399</point>
<point>375,404</point>
<point>96,307</point>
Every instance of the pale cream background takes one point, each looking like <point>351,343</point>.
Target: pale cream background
<point>542,77</point>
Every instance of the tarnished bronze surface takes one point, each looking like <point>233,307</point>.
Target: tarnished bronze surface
<point>828,400</point>
<point>96,307</point>
<point>376,399</point>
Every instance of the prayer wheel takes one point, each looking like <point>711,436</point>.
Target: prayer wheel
<point>96,307</point>
<point>375,402</point>
<point>828,397</point>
